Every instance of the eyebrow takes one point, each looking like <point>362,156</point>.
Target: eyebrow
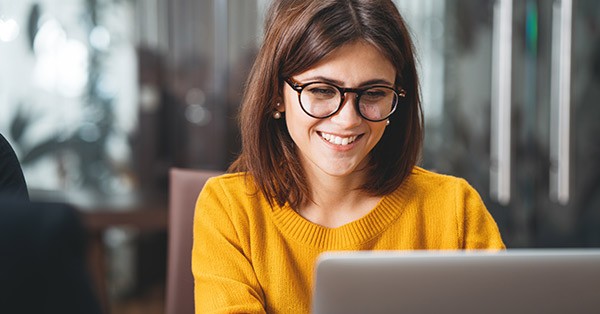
<point>340,83</point>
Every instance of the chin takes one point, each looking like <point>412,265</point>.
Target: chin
<point>339,172</point>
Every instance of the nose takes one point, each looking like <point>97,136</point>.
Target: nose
<point>347,116</point>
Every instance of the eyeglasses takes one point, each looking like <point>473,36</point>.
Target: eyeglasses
<point>321,100</point>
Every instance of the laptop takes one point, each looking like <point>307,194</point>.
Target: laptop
<point>512,281</point>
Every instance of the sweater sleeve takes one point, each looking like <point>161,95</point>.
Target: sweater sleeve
<point>224,279</point>
<point>480,230</point>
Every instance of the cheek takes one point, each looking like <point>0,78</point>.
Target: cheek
<point>296,124</point>
<point>292,121</point>
<point>289,100</point>
<point>377,129</point>
<point>372,111</point>
<point>296,119</point>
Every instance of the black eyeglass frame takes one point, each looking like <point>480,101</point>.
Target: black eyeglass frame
<point>357,91</point>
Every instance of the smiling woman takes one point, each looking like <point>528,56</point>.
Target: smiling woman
<point>331,127</point>
<point>324,145</point>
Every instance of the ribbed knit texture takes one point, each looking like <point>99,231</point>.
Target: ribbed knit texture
<point>250,258</point>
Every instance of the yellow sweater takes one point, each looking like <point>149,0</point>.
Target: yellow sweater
<point>250,258</point>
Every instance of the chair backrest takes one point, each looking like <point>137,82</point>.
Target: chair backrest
<point>184,187</point>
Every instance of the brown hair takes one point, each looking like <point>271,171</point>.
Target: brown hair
<point>298,34</point>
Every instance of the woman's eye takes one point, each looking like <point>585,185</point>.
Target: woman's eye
<point>375,93</point>
<point>322,91</point>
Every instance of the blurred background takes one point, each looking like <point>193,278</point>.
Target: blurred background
<point>99,98</point>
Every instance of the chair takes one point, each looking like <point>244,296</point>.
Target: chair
<point>184,187</point>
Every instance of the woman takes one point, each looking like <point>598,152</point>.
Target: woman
<point>331,129</point>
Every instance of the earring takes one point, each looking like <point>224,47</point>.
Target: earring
<point>277,114</point>
<point>387,122</point>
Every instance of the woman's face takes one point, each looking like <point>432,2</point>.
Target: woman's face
<point>338,145</point>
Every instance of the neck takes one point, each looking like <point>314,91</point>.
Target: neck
<point>336,201</point>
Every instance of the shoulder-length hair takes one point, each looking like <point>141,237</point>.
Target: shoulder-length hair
<point>298,34</point>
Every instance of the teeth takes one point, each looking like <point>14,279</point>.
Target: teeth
<point>338,140</point>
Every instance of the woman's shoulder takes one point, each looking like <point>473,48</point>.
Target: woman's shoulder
<point>230,176</point>
<point>426,174</point>
<point>231,181</point>
<point>233,185</point>
<point>425,186</point>
<point>423,179</point>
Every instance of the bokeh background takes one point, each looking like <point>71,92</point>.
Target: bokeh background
<point>99,98</point>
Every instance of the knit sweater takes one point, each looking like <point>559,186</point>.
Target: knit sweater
<point>249,257</point>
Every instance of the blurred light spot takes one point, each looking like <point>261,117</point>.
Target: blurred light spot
<point>117,185</point>
<point>117,148</point>
<point>93,114</point>
<point>9,30</point>
<point>89,132</point>
<point>48,36</point>
<point>62,63</point>
<point>198,115</point>
<point>100,38</point>
<point>114,237</point>
<point>149,98</point>
<point>106,88</point>
<point>195,96</point>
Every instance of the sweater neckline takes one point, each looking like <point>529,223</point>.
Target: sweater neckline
<point>293,225</point>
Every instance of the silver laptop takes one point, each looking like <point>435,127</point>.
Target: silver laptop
<point>513,281</point>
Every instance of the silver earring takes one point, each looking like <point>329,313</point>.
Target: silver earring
<point>387,122</point>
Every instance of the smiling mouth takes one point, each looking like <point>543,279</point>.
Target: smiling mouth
<point>338,140</point>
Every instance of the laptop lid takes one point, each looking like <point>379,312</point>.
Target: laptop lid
<point>513,281</point>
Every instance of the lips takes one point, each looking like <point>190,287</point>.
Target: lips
<point>338,140</point>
